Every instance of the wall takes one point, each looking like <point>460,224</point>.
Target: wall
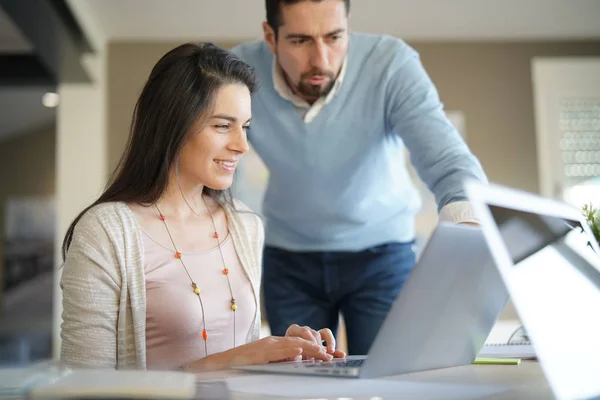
<point>491,84</point>
<point>28,165</point>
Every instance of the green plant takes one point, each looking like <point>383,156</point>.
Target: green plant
<point>592,216</point>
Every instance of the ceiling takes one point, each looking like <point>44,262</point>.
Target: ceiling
<point>410,19</point>
<point>11,39</point>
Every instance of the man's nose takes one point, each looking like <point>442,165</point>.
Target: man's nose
<point>319,56</point>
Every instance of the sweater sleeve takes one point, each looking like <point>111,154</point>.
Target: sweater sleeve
<point>259,245</point>
<point>253,233</point>
<point>91,295</point>
<point>415,112</point>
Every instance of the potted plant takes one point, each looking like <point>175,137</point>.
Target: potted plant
<point>592,216</point>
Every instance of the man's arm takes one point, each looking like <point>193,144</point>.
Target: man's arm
<point>438,152</point>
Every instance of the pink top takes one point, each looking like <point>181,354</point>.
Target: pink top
<point>173,312</point>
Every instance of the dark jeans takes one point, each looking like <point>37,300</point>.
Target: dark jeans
<point>312,288</point>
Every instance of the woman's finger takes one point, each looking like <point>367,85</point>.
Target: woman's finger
<point>283,353</point>
<point>329,339</point>
<point>304,332</point>
<point>296,358</point>
<point>309,349</point>
<point>338,354</point>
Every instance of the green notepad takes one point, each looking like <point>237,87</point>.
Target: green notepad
<point>497,361</point>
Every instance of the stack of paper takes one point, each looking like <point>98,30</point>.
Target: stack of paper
<point>516,350</point>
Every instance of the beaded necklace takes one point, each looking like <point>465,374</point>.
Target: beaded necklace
<point>233,306</point>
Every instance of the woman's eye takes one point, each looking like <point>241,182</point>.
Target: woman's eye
<point>222,127</point>
<point>246,127</point>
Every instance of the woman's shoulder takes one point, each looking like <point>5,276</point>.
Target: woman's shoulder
<point>106,215</point>
<point>244,214</point>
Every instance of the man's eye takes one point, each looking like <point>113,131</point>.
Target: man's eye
<point>299,41</point>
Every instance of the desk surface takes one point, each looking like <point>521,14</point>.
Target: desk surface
<point>526,381</point>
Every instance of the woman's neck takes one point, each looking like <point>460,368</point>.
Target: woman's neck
<point>182,199</point>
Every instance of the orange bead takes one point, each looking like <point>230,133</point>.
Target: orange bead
<point>225,271</point>
<point>162,217</point>
<point>178,255</point>
<point>204,334</point>
<point>216,235</point>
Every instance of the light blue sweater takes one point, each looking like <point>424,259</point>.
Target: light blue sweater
<point>340,182</point>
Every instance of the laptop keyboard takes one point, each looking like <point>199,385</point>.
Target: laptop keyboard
<point>337,364</point>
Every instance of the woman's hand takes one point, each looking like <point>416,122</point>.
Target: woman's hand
<point>276,348</point>
<point>269,349</point>
<point>317,337</point>
<point>298,343</point>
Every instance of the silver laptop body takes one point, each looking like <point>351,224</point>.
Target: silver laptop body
<point>550,262</point>
<point>441,318</point>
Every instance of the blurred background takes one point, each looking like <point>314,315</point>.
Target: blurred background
<point>519,78</point>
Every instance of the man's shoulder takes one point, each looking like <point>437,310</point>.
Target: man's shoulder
<point>253,52</point>
<point>380,49</point>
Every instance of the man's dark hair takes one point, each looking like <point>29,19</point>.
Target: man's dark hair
<point>273,7</point>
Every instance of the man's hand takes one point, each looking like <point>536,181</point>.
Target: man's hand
<point>470,223</point>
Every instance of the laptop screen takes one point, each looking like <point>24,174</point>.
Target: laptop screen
<point>525,233</point>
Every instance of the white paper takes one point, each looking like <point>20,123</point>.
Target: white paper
<point>317,387</point>
<point>109,383</point>
<point>508,351</point>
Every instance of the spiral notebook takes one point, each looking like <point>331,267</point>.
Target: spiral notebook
<point>512,350</point>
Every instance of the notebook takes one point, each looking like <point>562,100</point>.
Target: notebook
<point>505,350</point>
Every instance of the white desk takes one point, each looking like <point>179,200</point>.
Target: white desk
<point>526,381</point>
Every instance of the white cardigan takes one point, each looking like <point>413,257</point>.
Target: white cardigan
<point>104,286</point>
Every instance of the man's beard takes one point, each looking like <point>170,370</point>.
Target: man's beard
<point>315,91</point>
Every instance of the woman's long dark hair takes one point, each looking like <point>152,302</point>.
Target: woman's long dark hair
<point>181,88</point>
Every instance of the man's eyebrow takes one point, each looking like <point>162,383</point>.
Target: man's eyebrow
<point>297,36</point>
<point>304,36</point>
<point>336,32</point>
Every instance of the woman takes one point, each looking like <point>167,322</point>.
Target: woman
<point>163,270</point>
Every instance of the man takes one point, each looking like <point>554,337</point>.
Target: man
<point>330,121</point>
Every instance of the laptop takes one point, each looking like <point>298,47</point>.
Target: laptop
<point>550,262</point>
<point>441,318</point>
